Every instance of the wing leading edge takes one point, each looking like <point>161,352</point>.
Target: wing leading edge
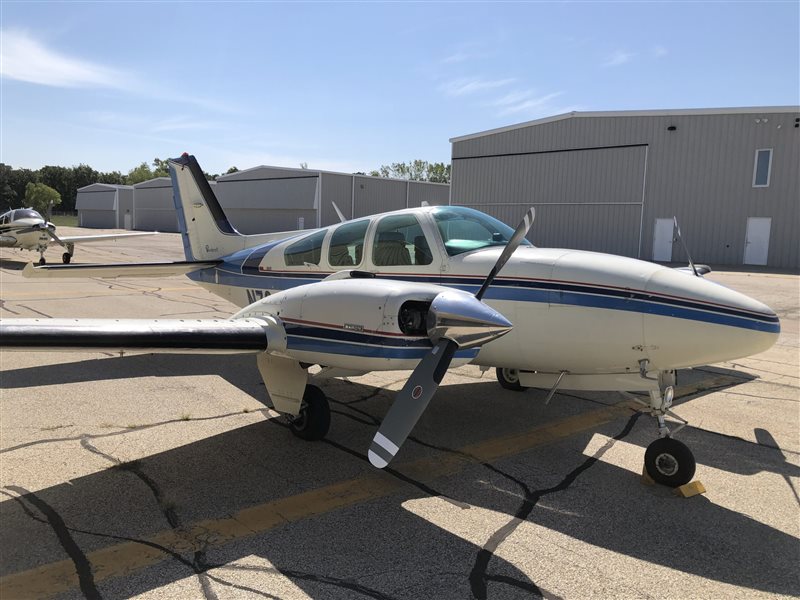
<point>172,336</point>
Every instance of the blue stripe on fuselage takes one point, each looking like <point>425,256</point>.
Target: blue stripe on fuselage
<point>518,290</point>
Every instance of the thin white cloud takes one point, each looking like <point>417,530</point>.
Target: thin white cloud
<point>659,51</point>
<point>24,58</point>
<point>524,102</point>
<point>456,57</point>
<point>463,87</point>
<point>620,57</point>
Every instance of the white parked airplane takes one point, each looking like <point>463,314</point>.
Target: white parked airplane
<point>419,289</point>
<point>26,229</point>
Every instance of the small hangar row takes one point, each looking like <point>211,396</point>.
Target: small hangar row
<point>258,200</point>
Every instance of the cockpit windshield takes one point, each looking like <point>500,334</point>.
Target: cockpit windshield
<point>465,229</point>
<point>25,213</point>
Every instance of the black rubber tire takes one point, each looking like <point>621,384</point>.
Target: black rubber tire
<point>66,257</point>
<point>509,379</point>
<point>314,419</point>
<point>669,462</point>
<point>42,261</point>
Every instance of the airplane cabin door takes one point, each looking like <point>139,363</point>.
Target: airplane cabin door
<point>756,243</point>
<point>662,240</point>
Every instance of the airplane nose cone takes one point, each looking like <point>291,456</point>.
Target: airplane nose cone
<point>695,321</point>
<point>461,317</point>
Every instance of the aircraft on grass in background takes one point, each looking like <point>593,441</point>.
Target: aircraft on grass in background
<point>422,289</point>
<point>26,229</point>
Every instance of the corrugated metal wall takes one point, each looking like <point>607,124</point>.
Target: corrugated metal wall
<point>374,195</point>
<point>256,220</point>
<point>154,207</point>
<point>433,194</point>
<point>336,188</point>
<point>97,206</point>
<point>701,172</point>
<point>125,207</point>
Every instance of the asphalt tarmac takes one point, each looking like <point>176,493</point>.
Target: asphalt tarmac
<point>161,476</point>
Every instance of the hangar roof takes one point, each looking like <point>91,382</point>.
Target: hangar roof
<point>634,113</point>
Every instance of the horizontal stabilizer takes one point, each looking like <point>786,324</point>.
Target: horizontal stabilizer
<point>102,237</point>
<point>114,270</point>
<point>174,336</point>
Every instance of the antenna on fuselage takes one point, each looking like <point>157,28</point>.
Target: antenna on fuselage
<point>679,237</point>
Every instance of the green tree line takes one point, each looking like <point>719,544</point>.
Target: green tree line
<point>416,170</point>
<point>67,180</point>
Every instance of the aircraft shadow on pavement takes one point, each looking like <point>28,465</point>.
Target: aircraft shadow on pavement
<point>13,265</point>
<point>220,475</point>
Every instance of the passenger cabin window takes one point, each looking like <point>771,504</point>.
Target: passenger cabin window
<point>399,241</point>
<point>347,244</point>
<point>465,229</point>
<point>305,252</point>
<point>762,167</point>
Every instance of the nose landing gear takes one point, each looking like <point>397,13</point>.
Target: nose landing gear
<point>666,460</point>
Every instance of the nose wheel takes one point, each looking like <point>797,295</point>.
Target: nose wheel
<point>669,462</point>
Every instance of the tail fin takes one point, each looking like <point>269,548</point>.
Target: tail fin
<point>206,231</point>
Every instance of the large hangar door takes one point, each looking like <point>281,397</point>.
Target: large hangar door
<point>585,198</point>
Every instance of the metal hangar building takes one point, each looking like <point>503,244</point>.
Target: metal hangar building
<point>613,181</point>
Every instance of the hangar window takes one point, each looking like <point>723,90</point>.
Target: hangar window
<point>399,241</point>
<point>305,252</point>
<point>762,167</point>
<point>347,244</point>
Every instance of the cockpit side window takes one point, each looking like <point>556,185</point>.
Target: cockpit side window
<point>305,252</point>
<point>399,240</point>
<point>465,229</point>
<point>25,213</point>
<point>347,244</point>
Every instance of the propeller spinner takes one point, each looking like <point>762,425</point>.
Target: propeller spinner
<point>455,320</point>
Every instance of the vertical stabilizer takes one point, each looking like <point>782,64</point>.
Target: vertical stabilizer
<point>207,233</point>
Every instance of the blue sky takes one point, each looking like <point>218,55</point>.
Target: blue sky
<point>351,86</point>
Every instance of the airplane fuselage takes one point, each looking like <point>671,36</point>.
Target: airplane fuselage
<point>582,312</point>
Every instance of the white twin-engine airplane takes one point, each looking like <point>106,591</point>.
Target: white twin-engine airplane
<point>419,289</point>
<point>26,229</point>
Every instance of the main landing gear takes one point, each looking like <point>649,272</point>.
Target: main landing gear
<point>314,419</point>
<point>509,379</point>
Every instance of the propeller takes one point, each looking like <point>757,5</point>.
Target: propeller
<point>48,228</point>
<point>455,320</point>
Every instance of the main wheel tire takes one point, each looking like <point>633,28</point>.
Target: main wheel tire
<point>669,462</point>
<point>66,257</point>
<point>314,419</point>
<point>42,261</point>
<point>509,379</point>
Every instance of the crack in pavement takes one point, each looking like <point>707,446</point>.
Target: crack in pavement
<point>479,576</point>
<point>199,564</point>
<point>126,430</point>
<point>82,565</point>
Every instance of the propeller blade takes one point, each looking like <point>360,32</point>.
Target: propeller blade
<point>410,403</point>
<point>57,239</point>
<point>513,244</point>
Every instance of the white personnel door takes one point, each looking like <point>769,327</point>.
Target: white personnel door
<point>756,242</point>
<point>128,224</point>
<point>662,240</point>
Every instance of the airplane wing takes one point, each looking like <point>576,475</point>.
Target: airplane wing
<point>84,239</point>
<point>175,336</point>
<point>112,271</point>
